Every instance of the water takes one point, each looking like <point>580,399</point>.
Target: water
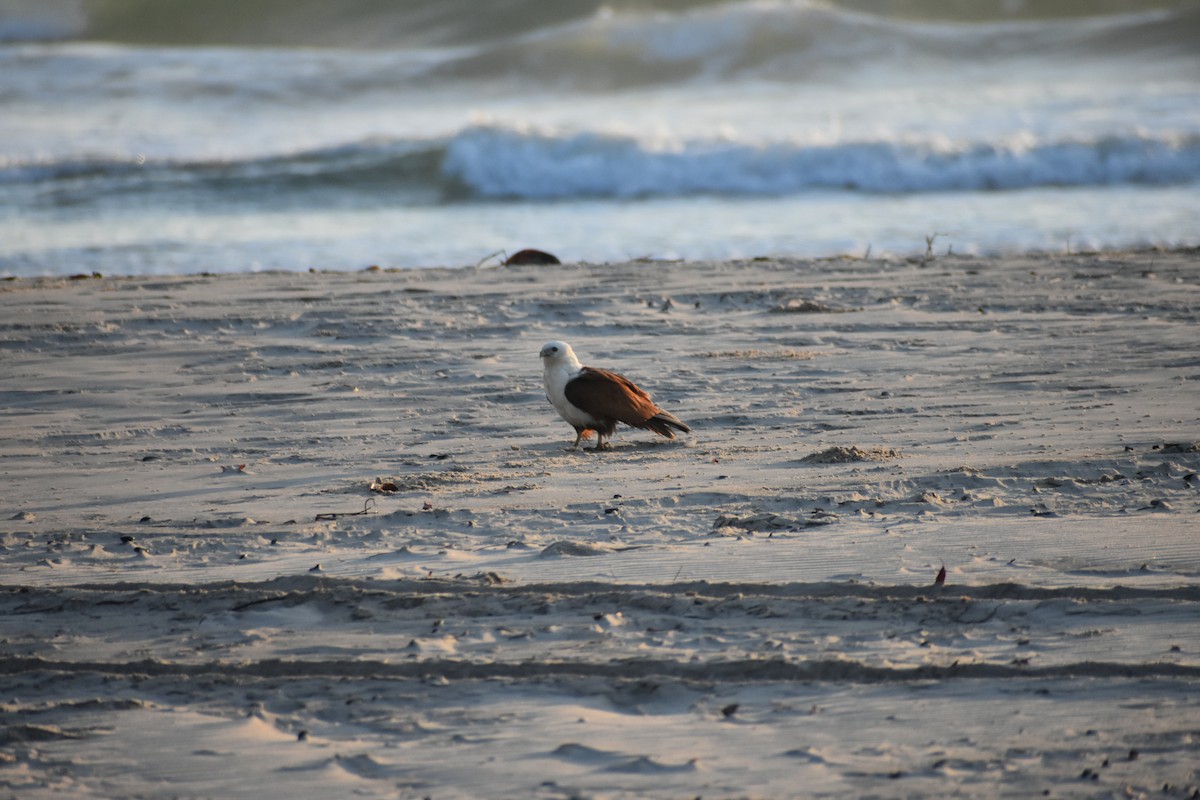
<point>167,137</point>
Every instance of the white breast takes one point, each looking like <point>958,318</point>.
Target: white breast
<point>556,378</point>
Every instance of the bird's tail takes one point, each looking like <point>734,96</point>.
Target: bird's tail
<point>662,423</point>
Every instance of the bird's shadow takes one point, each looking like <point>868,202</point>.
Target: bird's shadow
<point>616,448</point>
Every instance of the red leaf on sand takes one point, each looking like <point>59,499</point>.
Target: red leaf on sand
<point>940,580</point>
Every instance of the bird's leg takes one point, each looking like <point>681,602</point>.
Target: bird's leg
<point>578,439</point>
<point>601,444</point>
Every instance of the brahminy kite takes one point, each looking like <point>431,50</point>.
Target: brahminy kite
<point>591,399</point>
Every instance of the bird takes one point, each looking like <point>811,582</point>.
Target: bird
<point>592,399</point>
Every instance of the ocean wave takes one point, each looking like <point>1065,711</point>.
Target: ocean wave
<point>497,162</point>
<point>367,167</point>
<point>604,45</point>
<point>316,22</point>
<point>508,163</point>
<point>790,40</point>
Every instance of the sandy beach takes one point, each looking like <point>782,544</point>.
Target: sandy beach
<point>318,534</point>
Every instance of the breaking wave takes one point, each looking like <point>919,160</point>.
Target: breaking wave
<point>506,163</point>
<point>591,44</point>
<point>500,162</point>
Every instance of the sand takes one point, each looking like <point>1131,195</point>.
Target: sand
<point>318,534</point>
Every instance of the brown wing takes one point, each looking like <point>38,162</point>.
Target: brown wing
<point>607,395</point>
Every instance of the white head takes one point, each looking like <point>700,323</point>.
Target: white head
<point>558,354</point>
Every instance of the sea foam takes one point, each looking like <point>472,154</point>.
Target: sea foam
<point>494,161</point>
